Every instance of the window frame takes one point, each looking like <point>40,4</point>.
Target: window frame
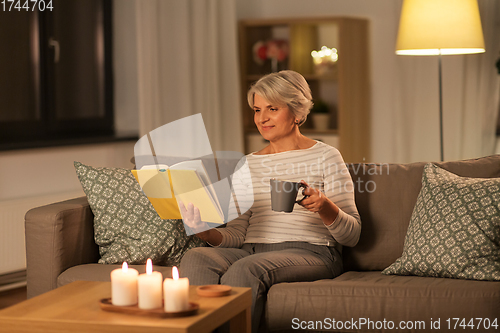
<point>47,130</point>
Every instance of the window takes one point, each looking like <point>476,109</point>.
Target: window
<point>55,74</point>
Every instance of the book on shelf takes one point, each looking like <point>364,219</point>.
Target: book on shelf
<point>187,182</point>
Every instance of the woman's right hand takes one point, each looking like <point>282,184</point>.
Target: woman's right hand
<point>191,217</point>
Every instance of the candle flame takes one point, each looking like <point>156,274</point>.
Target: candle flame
<point>175,273</point>
<point>125,267</point>
<point>149,267</point>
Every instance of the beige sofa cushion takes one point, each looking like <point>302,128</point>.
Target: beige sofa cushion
<point>100,272</point>
<point>376,297</point>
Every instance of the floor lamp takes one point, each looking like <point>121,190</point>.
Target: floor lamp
<point>439,27</point>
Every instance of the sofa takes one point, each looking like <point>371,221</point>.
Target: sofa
<point>60,248</point>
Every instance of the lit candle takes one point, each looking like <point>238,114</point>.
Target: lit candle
<point>150,284</point>
<point>124,286</point>
<point>176,292</point>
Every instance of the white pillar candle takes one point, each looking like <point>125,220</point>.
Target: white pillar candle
<point>124,286</point>
<point>176,292</point>
<point>150,292</point>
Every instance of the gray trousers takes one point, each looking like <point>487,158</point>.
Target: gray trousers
<point>259,266</point>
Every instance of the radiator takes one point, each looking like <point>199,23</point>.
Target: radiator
<point>12,242</point>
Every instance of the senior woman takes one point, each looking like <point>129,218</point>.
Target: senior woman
<point>262,247</point>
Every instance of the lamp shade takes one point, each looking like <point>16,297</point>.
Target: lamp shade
<point>433,27</point>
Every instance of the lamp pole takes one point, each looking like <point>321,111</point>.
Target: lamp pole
<point>441,107</point>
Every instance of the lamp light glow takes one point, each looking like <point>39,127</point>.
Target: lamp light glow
<point>439,27</point>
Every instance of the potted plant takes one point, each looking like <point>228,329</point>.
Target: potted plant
<point>320,114</point>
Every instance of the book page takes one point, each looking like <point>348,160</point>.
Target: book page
<point>193,165</point>
<point>202,173</point>
<point>189,188</point>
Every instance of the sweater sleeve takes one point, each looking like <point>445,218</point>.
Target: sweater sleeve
<point>233,235</point>
<point>339,188</point>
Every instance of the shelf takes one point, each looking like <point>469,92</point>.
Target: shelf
<point>345,89</point>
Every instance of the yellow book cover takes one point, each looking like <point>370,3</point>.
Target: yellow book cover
<point>156,186</point>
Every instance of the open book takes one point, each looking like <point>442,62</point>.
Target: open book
<point>187,182</point>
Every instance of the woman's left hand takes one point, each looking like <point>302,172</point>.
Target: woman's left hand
<point>315,201</point>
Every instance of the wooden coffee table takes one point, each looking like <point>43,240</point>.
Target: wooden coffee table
<point>75,308</point>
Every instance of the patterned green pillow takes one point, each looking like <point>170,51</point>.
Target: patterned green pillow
<point>126,226</point>
<point>454,229</point>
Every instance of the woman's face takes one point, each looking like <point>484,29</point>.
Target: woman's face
<point>273,121</point>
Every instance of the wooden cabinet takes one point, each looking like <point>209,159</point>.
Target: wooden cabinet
<point>344,86</point>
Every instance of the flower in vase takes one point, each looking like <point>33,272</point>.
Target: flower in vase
<point>276,50</point>
<point>260,52</point>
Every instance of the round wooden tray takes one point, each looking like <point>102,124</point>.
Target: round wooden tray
<point>213,290</point>
<point>106,305</point>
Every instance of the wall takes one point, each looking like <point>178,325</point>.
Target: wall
<point>35,177</point>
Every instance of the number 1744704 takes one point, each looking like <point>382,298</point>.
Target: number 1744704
<point>26,5</point>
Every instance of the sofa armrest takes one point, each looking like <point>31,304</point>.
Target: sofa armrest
<point>58,236</point>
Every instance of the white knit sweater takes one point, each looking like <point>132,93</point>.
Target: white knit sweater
<point>321,166</point>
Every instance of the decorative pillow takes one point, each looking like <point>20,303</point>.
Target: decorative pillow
<point>454,229</point>
<point>126,226</point>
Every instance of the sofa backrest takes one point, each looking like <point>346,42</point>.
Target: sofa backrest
<point>385,197</point>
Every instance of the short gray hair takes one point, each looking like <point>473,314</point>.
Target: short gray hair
<point>284,88</point>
